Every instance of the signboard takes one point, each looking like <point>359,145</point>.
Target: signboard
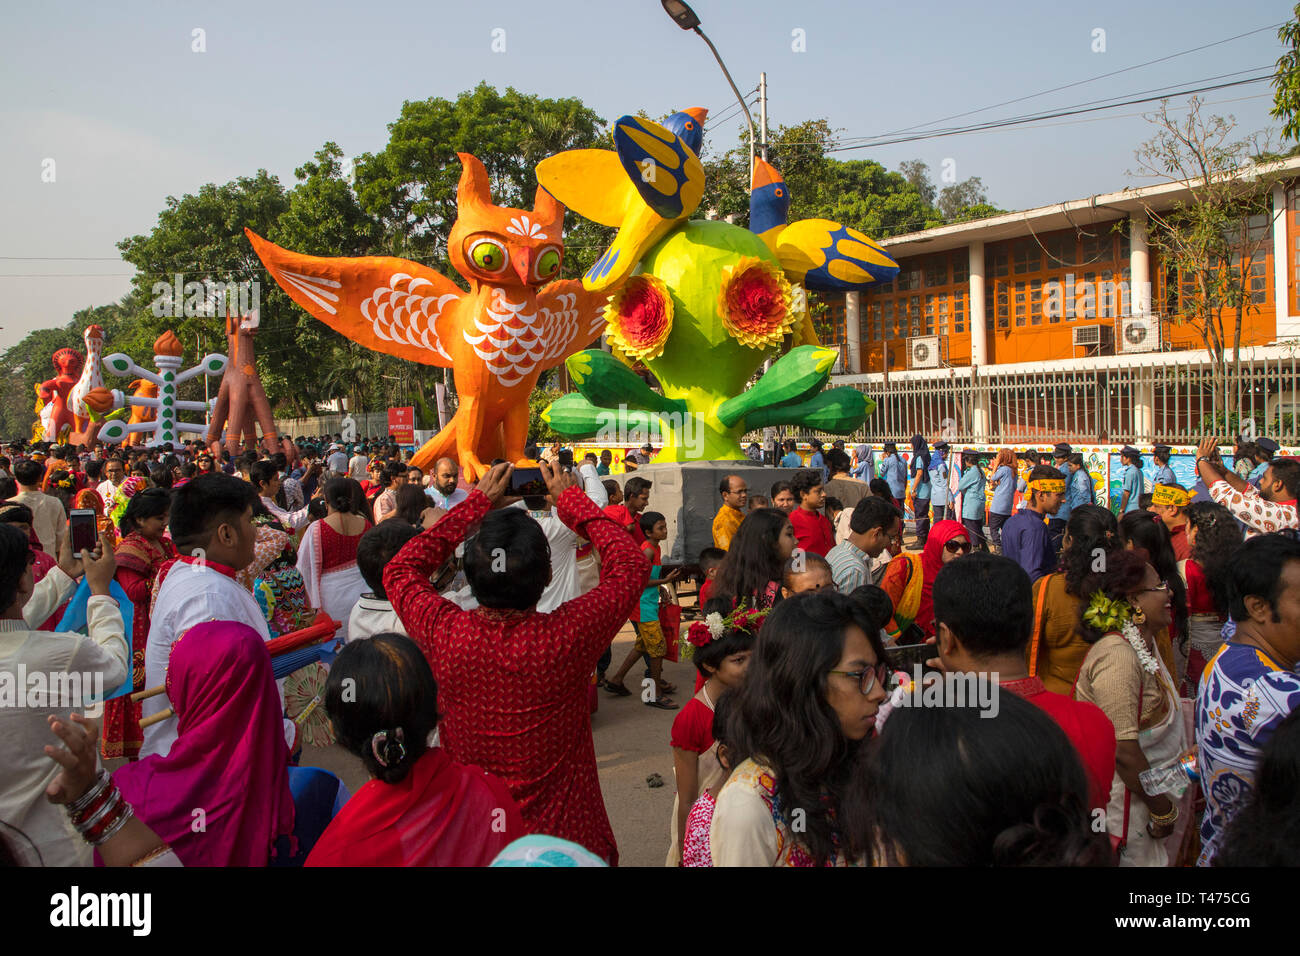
<point>401,424</point>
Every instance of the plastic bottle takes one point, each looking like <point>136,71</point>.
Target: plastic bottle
<point>1172,778</point>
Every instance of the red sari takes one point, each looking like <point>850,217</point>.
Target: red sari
<point>138,560</point>
<point>441,814</point>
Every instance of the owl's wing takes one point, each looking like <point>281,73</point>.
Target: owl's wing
<point>572,318</point>
<point>383,303</point>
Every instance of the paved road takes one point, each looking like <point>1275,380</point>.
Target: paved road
<point>631,743</point>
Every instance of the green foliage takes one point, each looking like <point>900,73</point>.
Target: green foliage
<point>1286,79</point>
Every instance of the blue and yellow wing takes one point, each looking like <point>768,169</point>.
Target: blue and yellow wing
<point>829,257</point>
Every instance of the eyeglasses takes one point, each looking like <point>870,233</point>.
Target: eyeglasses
<point>1162,586</point>
<point>867,678</point>
<point>957,547</point>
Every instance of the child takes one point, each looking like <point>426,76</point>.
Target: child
<point>805,571</point>
<point>811,528</point>
<point>722,659</point>
<point>710,561</point>
<point>695,841</point>
<point>759,501</point>
<point>373,613</point>
<point>650,638</point>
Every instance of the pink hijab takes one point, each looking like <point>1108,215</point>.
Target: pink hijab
<point>229,759</point>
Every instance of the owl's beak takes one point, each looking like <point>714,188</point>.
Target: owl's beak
<point>522,263</point>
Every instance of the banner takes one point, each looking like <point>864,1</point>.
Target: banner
<point>401,424</point>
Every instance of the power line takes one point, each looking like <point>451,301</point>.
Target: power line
<point>1091,79</point>
<point>1018,121</point>
<point>1163,91</point>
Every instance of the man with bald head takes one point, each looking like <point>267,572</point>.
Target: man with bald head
<point>442,484</point>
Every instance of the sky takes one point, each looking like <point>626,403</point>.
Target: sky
<point>114,102</point>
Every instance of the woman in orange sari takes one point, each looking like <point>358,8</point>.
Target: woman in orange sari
<point>910,576</point>
<point>139,555</point>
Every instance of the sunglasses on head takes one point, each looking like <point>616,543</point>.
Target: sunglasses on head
<point>957,547</point>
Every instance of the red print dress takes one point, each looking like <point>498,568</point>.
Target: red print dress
<point>513,684</point>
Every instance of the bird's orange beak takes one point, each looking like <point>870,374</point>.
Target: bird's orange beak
<point>522,263</point>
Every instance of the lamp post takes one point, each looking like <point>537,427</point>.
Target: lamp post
<point>685,18</point>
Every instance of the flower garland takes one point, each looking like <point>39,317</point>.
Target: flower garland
<point>1113,614</point>
<point>714,626</point>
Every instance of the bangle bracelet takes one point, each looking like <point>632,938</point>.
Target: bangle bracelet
<point>1164,819</point>
<point>87,798</point>
<point>88,824</point>
<point>116,825</point>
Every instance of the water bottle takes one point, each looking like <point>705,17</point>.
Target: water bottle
<point>1172,778</point>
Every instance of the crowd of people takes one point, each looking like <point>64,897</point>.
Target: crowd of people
<point>1042,685</point>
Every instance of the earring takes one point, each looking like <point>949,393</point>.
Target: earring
<point>1139,616</point>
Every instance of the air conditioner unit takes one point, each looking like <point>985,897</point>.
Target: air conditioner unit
<point>924,352</point>
<point>1098,337</point>
<point>1140,333</point>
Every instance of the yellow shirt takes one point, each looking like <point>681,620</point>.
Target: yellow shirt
<point>725,525</point>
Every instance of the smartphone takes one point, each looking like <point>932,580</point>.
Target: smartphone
<point>527,481</point>
<point>907,656</point>
<point>83,528</point>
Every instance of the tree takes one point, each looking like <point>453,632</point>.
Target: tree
<point>1211,239</point>
<point>956,201</point>
<point>1286,79</point>
<point>917,173</point>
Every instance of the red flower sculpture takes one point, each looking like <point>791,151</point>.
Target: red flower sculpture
<point>640,316</point>
<point>755,303</point>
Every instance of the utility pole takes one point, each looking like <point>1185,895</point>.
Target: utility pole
<point>762,115</point>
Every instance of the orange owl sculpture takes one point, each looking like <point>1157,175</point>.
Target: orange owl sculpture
<point>514,323</point>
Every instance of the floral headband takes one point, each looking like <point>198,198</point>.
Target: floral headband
<point>1107,614</point>
<point>705,632</point>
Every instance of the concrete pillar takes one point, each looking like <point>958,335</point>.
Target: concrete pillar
<point>1139,265</point>
<point>853,331</point>
<point>978,344</point>
<point>1144,406</point>
<point>981,418</point>
<point>1288,325</point>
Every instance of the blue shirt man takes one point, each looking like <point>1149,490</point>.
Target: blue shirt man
<point>817,461</point>
<point>1025,538</point>
<point>1131,485</point>
<point>894,472</point>
<point>1061,462</point>
<point>792,460</point>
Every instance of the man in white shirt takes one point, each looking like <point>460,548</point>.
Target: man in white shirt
<point>565,584</point>
<point>67,664</point>
<point>337,461</point>
<point>49,520</point>
<point>442,488</point>
<point>211,525</point>
<point>357,465</point>
<point>373,613</point>
<point>591,480</point>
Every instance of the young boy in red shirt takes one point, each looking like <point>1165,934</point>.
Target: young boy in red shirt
<point>812,529</point>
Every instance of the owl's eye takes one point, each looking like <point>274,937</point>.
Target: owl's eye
<point>548,263</point>
<point>488,255</point>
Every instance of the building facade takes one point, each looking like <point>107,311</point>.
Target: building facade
<point>1061,322</point>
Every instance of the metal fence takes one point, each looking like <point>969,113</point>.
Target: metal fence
<point>1171,399</point>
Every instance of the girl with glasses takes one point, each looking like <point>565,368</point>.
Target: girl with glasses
<point>809,700</point>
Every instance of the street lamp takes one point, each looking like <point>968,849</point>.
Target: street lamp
<point>685,18</point>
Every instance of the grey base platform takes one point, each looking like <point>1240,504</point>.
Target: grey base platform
<point>687,496</point>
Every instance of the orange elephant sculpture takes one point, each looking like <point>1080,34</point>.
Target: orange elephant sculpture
<point>515,322</point>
